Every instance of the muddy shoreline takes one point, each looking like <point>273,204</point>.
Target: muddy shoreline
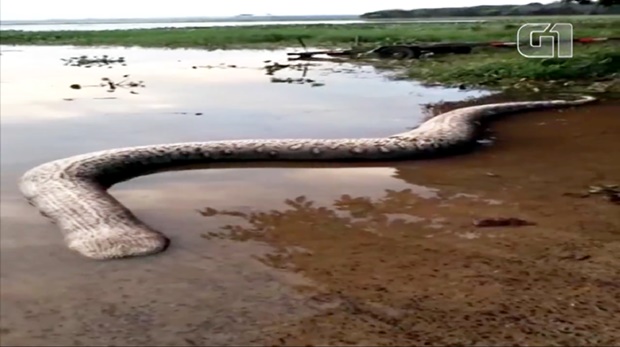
<point>439,280</point>
<point>378,253</point>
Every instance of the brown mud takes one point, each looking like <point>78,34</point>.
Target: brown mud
<point>411,270</point>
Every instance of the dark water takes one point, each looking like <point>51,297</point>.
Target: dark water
<point>211,290</point>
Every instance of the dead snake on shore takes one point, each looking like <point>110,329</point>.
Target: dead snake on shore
<point>72,192</point>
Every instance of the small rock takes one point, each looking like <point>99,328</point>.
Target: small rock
<point>611,192</point>
<point>614,198</point>
<point>582,257</point>
<point>577,195</point>
<point>501,222</point>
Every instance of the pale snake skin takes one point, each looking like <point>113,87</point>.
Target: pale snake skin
<point>72,192</point>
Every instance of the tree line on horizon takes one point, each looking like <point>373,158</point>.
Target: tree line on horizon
<point>604,3</point>
<point>563,7</point>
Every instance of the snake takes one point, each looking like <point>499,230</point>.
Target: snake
<point>73,192</point>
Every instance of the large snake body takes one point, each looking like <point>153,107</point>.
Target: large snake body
<point>72,192</point>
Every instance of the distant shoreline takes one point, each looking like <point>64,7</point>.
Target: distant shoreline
<point>188,25</point>
<point>180,20</point>
<point>259,22</point>
<point>557,8</point>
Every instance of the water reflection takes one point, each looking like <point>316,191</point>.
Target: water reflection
<point>179,103</point>
<point>212,292</point>
<point>410,208</point>
<point>172,82</point>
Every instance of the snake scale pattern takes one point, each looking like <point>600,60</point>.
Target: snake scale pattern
<point>72,192</point>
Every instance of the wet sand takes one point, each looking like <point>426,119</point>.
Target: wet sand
<point>368,254</point>
<point>401,269</point>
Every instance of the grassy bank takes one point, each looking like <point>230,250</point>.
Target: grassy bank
<point>323,35</point>
<point>593,68</point>
<point>595,65</point>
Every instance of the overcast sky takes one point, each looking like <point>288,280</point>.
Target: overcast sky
<point>80,9</point>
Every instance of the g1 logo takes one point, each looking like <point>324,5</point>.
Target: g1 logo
<point>551,41</point>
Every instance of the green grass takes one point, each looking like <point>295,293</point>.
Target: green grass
<point>595,66</point>
<point>322,35</point>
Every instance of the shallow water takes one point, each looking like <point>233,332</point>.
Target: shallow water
<point>206,291</point>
